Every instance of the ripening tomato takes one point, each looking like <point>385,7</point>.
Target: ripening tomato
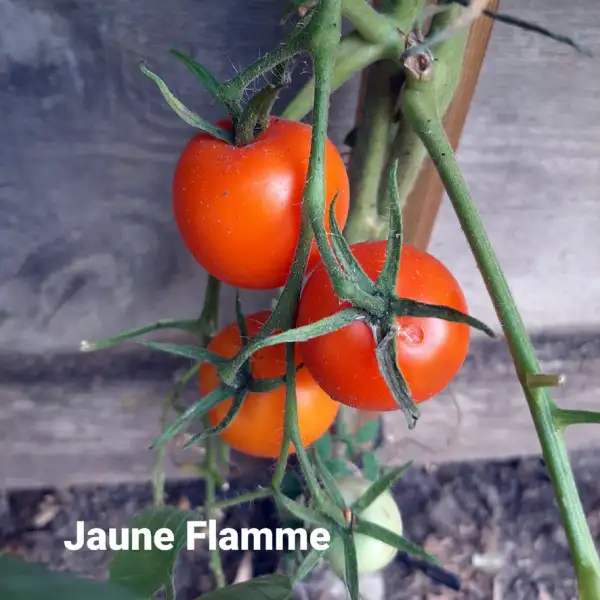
<point>238,209</point>
<point>430,351</point>
<point>257,429</point>
<point>371,554</point>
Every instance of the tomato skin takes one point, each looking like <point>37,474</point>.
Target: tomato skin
<point>238,209</point>
<point>257,429</point>
<point>371,554</point>
<point>430,351</point>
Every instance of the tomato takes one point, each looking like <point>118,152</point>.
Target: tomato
<point>238,209</point>
<point>430,351</point>
<point>371,554</point>
<point>257,429</point>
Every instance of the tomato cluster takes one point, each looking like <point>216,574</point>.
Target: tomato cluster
<point>239,209</point>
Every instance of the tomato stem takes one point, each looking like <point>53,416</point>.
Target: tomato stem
<point>209,506</point>
<point>323,48</point>
<point>564,417</point>
<point>209,317</point>
<point>421,109</point>
<point>370,153</point>
<point>355,54</point>
<point>292,430</point>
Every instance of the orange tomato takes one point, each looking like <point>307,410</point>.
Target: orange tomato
<point>430,351</point>
<point>238,209</point>
<point>257,429</point>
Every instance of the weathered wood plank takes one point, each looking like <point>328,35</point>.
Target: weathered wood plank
<point>91,418</point>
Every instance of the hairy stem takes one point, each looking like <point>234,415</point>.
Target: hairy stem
<point>355,54</point>
<point>421,110</point>
<point>215,555</point>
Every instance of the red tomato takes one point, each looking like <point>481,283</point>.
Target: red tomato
<point>430,351</point>
<point>238,209</point>
<point>257,429</point>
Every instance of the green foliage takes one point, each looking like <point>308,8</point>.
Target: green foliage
<point>20,580</point>
<point>147,571</point>
<point>268,587</point>
<point>371,466</point>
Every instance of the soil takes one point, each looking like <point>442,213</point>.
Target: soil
<point>494,526</point>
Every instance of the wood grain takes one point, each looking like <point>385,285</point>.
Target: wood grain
<point>88,419</point>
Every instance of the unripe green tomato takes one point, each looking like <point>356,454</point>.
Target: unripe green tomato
<point>371,554</point>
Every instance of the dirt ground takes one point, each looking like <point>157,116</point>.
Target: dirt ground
<point>494,525</point>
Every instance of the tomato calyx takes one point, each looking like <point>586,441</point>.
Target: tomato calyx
<point>255,117</point>
<point>249,121</point>
<point>383,305</point>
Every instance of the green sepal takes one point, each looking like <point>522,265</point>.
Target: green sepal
<point>386,282</point>
<point>393,539</point>
<point>309,562</point>
<point>329,482</point>
<point>379,487</point>
<point>240,319</point>
<point>260,386</point>
<point>178,325</point>
<point>351,566</point>
<point>343,253</point>
<point>225,422</point>
<point>304,513</point>
<point>208,80</point>
<point>313,330</point>
<point>187,115</point>
<point>387,361</point>
<point>405,307</point>
<point>194,412</point>
<point>196,353</point>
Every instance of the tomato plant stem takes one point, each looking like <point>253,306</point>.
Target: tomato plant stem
<point>323,48</point>
<point>370,153</point>
<point>355,53</point>
<point>291,428</point>
<point>420,107</point>
<point>208,319</point>
<point>374,26</point>
<point>209,504</point>
<point>564,417</point>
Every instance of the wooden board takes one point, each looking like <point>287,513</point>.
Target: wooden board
<point>91,418</point>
